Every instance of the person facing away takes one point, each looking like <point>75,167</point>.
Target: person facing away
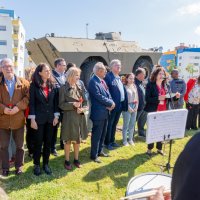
<point>59,74</point>
<point>101,105</point>
<point>141,114</point>
<point>119,96</point>
<point>14,99</point>
<point>129,117</point>
<point>74,105</point>
<point>177,85</point>
<point>44,115</point>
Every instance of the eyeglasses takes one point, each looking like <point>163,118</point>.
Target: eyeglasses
<point>7,66</point>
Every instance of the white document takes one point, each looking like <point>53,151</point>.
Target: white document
<point>166,125</point>
<point>171,95</point>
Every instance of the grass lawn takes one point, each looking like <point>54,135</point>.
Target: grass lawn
<point>107,180</point>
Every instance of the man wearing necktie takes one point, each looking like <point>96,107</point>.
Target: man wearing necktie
<point>101,105</point>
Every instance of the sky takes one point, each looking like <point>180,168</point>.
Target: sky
<point>152,23</point>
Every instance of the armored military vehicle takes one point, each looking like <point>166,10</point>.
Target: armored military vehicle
<point>86,52</point>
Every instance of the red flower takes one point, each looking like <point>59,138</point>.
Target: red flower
<point>81,99</point>
<point>10,106</point>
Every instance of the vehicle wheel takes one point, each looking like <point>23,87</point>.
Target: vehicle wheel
<point>143,63</point>
<point>87,71</point>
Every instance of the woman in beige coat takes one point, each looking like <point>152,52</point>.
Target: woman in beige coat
<point>73,103</point>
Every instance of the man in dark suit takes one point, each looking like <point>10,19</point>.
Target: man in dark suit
<point>101,104</point>
<point>141,114</point>
<point>59,75</point>
<point>119,96</point>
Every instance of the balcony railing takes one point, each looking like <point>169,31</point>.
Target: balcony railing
<point>15,50</point>
<point>15,22</point>
<point>15,36</point>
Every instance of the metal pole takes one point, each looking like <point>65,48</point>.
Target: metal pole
<point>87,30</point>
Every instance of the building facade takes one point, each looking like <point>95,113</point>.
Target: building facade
<point>188,62</point>
<point>12,39</point>
<point>185,59</point>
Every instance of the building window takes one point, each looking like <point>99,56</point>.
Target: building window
<point>16,58</point>
<point>2,28</point>
<point>179,64</point>
<point>16,32</point>
<point>196,57</point>
<point>3,42</point>
<point>2,56</point>
<point>180,57</point>
<point>196,64</point>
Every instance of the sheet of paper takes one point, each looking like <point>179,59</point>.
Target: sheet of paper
<point>166,125</point>
<point>171,95</point>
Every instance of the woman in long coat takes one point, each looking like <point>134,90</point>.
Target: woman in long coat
<point>72,101</point>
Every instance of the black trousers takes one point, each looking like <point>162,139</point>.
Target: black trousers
<point>193,111</point>
<point>30,133</point>
<point>54,138</point>
<point>98,136</point>
<point>158,146</point>
<point>43,137</point>
<point>112,125</point>
<point>141,121</point>
<point>199,117</point>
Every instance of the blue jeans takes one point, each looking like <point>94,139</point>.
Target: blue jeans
<point>129,120</point>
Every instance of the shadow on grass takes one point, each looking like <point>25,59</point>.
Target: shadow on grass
<point>14,183</point>
<point>117,170</point>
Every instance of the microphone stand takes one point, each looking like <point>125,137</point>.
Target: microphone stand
<point>168,166</point>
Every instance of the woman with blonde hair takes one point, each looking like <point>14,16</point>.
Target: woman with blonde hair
<point>73,103</point>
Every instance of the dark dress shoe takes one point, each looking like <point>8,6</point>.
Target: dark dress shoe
<point>109,147</point>
<point>77,164</point>
<point>47,169</point>
<point>102,154</point>
<point>37,170</point>
<point>18,171</point>
<point>97,160</point>
<point>55,153</point>
<point>5,173</point>
<point>67,165</point>
<point>114,144</point>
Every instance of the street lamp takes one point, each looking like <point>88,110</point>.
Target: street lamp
<point>87,24</point>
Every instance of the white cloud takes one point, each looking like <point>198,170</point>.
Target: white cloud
<point>191,9</point>
<point>197,30</point>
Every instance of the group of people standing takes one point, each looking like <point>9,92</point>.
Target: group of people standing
<point>58,97</point>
